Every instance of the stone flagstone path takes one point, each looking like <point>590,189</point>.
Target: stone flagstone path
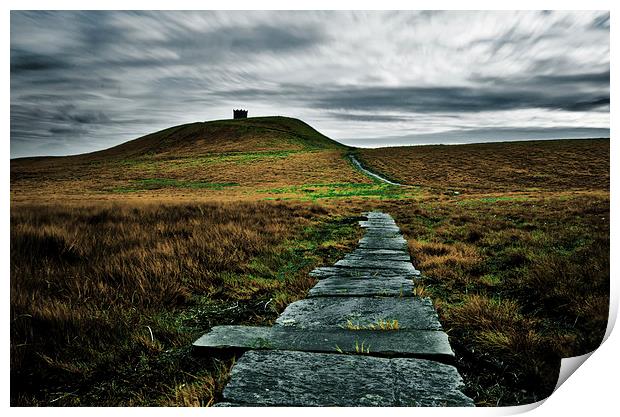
<point>361,338</point>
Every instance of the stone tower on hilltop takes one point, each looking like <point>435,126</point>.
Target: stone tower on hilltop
<point>240,114</point>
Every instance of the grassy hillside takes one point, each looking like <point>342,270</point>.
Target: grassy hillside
<point>197,159</point>
<point>256,134</point>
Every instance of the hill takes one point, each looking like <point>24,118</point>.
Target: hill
<point>242,135</point>
<point>193,158</point>
<point>217,136</point>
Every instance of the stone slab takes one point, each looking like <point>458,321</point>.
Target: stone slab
<point>379,232</point>
<point>401,254</point>
<point>377,215</point>
<point>353,273</point>
<point>335,271</point>
<point>412,313</point>
<point>391,231</point>
<point>403,343</point>
<point>376,220</point>
<point>377,258</point>
<point>285,378</point>
<point>436,385</point>
<point>401,257</point>
<point>387,227</point>
<point>378,243</point>
<point>404,266</point>
<point>395,239</point>
<point>355,287</point>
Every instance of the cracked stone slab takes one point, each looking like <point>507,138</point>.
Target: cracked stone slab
<point>319,312</point>
<point>395,239</point>
<point>285,378</point>
<point>399,257</point>
<point>404,266</point>
<point>387,227</point>
<point>380,243</point>
<point>403,343</point>
<point>387,253</point>
<point>436,385</point>
<point>337,286</point>
<point>353,273</point>
<point>386,230</point>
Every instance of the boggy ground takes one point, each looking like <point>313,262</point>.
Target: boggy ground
<point>518,270</point>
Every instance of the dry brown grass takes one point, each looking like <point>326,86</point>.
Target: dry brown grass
<point>491,167</point>
<point>214,177</point>
<point>518,283</point>
<point>99,289</point>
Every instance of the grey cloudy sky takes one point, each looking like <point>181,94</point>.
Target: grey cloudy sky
<point>83,81</point>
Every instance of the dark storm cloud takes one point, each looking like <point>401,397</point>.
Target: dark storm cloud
<point>68,130</point>
<point>601,22</point>
<point>27,61</point>
<point>379,118</point>
<point>571,92</point>
<point>598,79</point>
<point>81,81</point>
<point>262,38</point>
<point>453,99</point>
<point>70,113</point>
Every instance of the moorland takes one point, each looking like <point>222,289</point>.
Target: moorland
<point>121,258</point>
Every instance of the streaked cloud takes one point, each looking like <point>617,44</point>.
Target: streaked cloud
<point>82,81</point>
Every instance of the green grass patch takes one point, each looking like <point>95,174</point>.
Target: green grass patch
<point>343,190</point>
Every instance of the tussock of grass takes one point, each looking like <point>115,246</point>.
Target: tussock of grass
<point>381,324</point>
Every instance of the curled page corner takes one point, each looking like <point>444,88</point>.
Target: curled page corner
<point>568,366</point>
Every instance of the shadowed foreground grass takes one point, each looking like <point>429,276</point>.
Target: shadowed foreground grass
<point>106,299</point>
<point>517,284</point>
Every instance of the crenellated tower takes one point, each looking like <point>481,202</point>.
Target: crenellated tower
<point>240,114</point>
